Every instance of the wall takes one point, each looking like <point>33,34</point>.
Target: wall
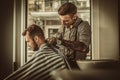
<point>6,40</point>
<point>119,25</point>
<point>12,23</point>
<point>105,29</point>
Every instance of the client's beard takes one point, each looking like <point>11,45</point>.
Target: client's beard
<point>35,46</point>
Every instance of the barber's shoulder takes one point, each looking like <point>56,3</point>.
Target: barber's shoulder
<point>84,25</point>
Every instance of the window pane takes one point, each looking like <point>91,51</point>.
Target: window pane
<point>52,22</point>
<point>44,13</point>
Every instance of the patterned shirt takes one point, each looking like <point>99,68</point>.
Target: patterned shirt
<point>43,62</point>
<point>80,31</point>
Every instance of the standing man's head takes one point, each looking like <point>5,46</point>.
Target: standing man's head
<point>67,13</point>
<point>34,36</point>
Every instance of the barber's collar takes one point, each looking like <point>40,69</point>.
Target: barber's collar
<point>76,23</point>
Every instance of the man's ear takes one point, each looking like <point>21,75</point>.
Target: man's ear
<point>75,16</point>
<point>36,38</point>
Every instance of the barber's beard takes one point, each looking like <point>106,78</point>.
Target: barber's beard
<point>69,25</point>
<point>35,46</point>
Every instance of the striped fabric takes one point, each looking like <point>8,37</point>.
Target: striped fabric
<point>43,62</point>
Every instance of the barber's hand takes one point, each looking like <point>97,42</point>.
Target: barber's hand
<point>51,41</point>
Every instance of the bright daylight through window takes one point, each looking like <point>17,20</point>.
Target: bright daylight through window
<point>44,13</point>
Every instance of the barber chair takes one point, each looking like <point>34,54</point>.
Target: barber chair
<point>86,75</point>
<point>104,64</point>
<point>91,70</point>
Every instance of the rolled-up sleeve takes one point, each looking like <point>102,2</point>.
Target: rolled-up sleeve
<point>84,32</point>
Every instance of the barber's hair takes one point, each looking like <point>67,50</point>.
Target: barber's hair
<point>67,9</point>
<point>34,30</point>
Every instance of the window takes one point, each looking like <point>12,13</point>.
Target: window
<point>44,13</point>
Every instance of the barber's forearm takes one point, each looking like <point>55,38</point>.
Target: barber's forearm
<point>75,45</point>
